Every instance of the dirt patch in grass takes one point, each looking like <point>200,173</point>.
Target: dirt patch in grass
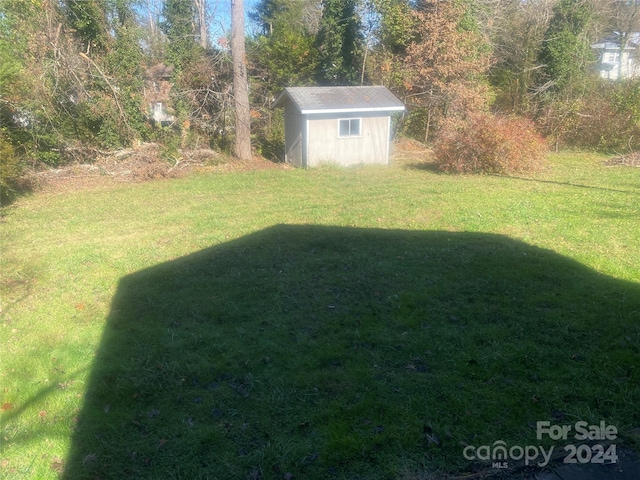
<point>411,153</point>
<point>629,160</point>
<point>94,168</point>
<point>139,164</point>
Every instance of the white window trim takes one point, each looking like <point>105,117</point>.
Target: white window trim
<point>612,57</point>
<point>359,119</point>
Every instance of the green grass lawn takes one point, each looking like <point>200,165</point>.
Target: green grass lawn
<point>329,323</point>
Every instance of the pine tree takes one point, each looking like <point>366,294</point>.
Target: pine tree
<point>89,20</point>
<point>339,42</point>
<point>566,50</point>
<point>284,54</point>
<point>178,26</point>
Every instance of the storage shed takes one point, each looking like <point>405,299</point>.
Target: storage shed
<point>339,125</point>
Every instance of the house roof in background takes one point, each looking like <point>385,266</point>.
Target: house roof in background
<point>612,41</point>
<point>340,99</point>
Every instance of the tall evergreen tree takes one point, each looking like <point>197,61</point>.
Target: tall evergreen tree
<point>284,54</point>
<point>124,62</point>
<point>89,19</point>
<point>565,52</point>
<point>393,29</point>
<point>395,25</point>
<point>178,26</point>
<point>339,42</point>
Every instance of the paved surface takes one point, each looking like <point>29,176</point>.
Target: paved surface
<point>627,467</point>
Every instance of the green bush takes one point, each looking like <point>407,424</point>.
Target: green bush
<point>270,135</point>
<point>9,170</point>
<point>414,124</point>
<point>485,143</point>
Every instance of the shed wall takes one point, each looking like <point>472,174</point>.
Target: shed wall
<point>293,135</point>
<point>325,146</point>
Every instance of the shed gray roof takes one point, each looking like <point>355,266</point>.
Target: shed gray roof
<point>340,99</point>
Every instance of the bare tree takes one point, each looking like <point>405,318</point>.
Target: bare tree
<point>517,30</point>
<point>153,41</point>
<point>201,22</point>
<point>242,145</point>
<point>626,23</point>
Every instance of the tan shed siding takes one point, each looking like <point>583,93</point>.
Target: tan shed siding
<point>325,145</point>
<point>293,134</point>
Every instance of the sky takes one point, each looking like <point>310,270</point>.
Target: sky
<point>219,15</point>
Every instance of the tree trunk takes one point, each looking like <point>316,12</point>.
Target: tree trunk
<point>201,15</point>
<point>242,143</point>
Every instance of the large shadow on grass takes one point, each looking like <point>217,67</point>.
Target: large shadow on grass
<point>320,352</point>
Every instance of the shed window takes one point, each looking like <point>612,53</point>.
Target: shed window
<point>349,127</point>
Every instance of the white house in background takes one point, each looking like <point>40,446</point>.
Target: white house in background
<point>339,125</point>
<point>156,92</point>
<point>615,63</point>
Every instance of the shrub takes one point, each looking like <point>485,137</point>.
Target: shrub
<point>559,121</point>
<point>485,143</point>
<point>605,117</point>
<point>270,135</point>
<point>9,170</point>
<point>610,120</point>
